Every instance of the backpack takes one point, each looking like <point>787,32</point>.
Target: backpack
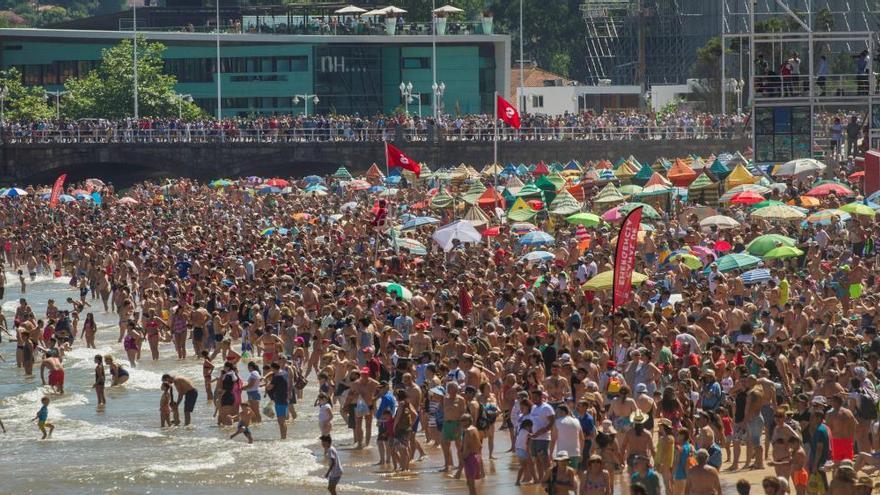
<point>867,406</point>
<point>486,416</point>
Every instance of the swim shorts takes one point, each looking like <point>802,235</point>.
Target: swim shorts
<point>253,395</point>
<point>189,400</point>
<point>473,467</point>
<point>451,430</point>
<point>841,449</point>
<point>281,411</point>
<point>540,447</point>
<point>755,429</point>
<point>56,378</point>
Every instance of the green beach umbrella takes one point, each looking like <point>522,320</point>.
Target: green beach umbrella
<point>858,208</point>
<point>761,245</point>
<point>585,219</point>
<point>737,261</point>
<point>690,260</point>
<point>783,252</point>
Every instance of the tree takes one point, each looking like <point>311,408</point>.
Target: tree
<point>420,10</point>
<point>23,102</point>
<point>108,90</point>
<point>707,69</point>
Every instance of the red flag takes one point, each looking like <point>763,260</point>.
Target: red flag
<point>396,158</point>
<point>625,258</point>
<point>465,303</point>
<point>507,113</point>
<point>56,190</point>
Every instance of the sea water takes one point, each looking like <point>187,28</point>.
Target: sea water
<point>121,449</point>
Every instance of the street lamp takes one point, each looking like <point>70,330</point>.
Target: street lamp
<point>738,87</point>
<point>406,94</point>
<point>180,98</point>
<point>57,95</point>
<point>439,90</point>
<point>4,92</point>
<point>305,99</point>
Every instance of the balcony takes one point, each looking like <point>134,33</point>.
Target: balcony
<point>837,87</point>
<point>281,25</point>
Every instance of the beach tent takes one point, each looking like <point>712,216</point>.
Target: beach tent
<point>577,192</point>
<point>658,180</point>
<point>739,176</point>
<point>476,216</point>
<point>547,187</point>
<point>374,173</point>
<point>564,204</point>
<point>540,169</point>
<point>681,174</point>
<point>703,191</point>
<point>608,196</point>
<point>490,199</point>
<point>719,169</point>
<point>625,173</point>
<point>441,200</point>
<point>643,175</point>
<point>342,173</point>
<point>521,211</point>
<point>604,164</point>
<point>473,193</point>
<point>661,165</point>
<point>573,165</point>
<point>491,170</point>
<point>557,180</point>
<point>530,190</point>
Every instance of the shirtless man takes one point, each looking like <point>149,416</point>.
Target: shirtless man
<point>453,406</point>
<point>199,320</point>
<point>556,386</point>
<point>702,479</point>
<point>341,368</point>
<point>470,454</point>
<point>414,397</point>
<point>754,422</point>
<point>190,396</point>
<point>56,373</point>
<point>842,424</point>
<point>363,396</point>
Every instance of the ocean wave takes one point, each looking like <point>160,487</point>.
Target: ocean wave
<point>209,463</point>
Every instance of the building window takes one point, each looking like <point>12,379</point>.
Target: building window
<point>416,63</point>
<point>537,101</point>
<point>12,47</point>
<point>299,64</point>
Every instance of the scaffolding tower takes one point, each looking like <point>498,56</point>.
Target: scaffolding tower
<point>646,42</point>
<point>792,61</point>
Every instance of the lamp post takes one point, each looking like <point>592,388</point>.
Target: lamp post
<point>434,58</point>
<point>180,98</point>
<point>405,93</point>
<point>134,64</point>
<point>57,95</point>
<point>439,90</point>
<point>4,92</point>
<point>219,70</point>
<point>305,99</point>
<point>738,87</point>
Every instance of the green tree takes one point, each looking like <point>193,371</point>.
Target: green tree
<point>108,90</point>
<point>23,102</point>
<point>707,69</point>
<point>420,10</point>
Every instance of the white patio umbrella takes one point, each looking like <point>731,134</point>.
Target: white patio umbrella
<point>350,9</point>
<point>719,221</point>
<point>800,166</point>
<point>462,230</point>
<point>448,9</point>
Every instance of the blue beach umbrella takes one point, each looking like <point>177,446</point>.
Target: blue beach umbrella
<point>417,222</point>
<point>536,238</point>
<point>755,276</point>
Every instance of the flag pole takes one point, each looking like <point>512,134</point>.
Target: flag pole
<point>495,153</point>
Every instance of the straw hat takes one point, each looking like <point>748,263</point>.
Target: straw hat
<point>607,427</point>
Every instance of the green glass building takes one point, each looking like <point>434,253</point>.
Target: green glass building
<point>261,72</point>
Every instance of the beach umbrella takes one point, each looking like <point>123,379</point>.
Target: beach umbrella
<point>720,222</point>
<point>350,9</point>
<point>351,205</point>
<point>342,172</point>
<point>756,276</point>
<point>269,231</point>
<point>411,245</point>
<point>128,201</point>
<point>417,222</point>
<point>690,260</point>
<point>747,198</point>
<point>779,212</point>
<point>648,211</point>
<point>828,188</point>
<point>359,185</point>
<point>221,183</point>
<point>783,252</point>
<point>856,176</point>
<point>538,256</point>
<point>700,212</point>
<point>761,245</point>
<point>827,217</point>
<point>722,246</point>
<point>613,215</point>
<point>605,280</point>
<point>376,189</point>
<point>315,192</point>
<point>461,231</point>
<point>391,191</point>
<point>268,190</point>
<point>585,219</point>
<point>315,187</point>
<point>702,252</point>
<point>727,196</point>
<point>809,202</point>
<point>276,182</point>
<point>396,290</point>
<point>736,261</point>
<point>630,189</point>
<point>766,203</point>
<point>536,238</point>
<point>521,228</point>
<point>858,208</point>
<point>312,179</point>
<point>799,166</point>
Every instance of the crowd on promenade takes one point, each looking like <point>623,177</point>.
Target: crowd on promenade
<point>426,344</point>
<point>622,125</point>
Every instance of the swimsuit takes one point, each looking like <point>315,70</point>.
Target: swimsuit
<point>56,378</point>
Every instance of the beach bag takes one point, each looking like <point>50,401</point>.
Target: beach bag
<point>299,381</point>
<point>867,406</point>
<point>361,408</point>
<point>269,410</point>
<point>612,388</point>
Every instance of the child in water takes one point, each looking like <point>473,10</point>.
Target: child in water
<point>245,417</point>
<point>41,419</point>
<point>165,405</point>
